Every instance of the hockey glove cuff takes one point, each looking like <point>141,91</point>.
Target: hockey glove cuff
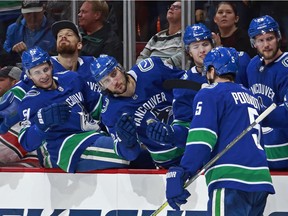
<point>126,130</point>
<point>52,115</point>
<point>175,193</point>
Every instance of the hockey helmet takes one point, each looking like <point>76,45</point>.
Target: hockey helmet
<point>196,32</point>
<point>34,57</point>
<point>102,66</point>
<point>262,25</point>
<point>225,60</point>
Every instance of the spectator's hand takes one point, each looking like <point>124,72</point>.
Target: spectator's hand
<point>19,47</point>
<point>8,112</point>
<point>53,115</point>
<point>175,193</point>
<point>217,39</point>
<point>126,130</point>
<point>160,132</point>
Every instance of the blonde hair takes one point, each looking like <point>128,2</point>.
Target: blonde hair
<point>100,5</point>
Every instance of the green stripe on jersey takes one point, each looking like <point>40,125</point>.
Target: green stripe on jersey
<point>18,92</point>
<point>218,202</point>
<point>97,109</point>
<point>230,172</point>
<point>68,147</point>
<point>167,155</point>
<point>181,123</point>
<point>203,136</point>
<point>100,152</point>
<point>276,152</point>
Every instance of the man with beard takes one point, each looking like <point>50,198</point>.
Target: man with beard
<point>133,99</point>
<point>60,116</point>
<point>68,46</point>
<point>267,75</point>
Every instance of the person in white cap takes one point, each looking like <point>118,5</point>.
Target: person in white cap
<point>31,29</point>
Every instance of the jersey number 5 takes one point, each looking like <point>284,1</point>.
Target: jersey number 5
<point>256,136</point>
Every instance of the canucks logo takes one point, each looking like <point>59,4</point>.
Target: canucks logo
<point>164,115</point>
<point>146,65</point>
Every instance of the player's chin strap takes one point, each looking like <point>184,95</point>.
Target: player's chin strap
<point>220,154</point>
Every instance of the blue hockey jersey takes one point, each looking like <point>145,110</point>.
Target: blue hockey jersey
<point>65,143</point>
<point>83,69</point>
<point>150,101</point>
<point>221,112</point>
<point>269,83</point>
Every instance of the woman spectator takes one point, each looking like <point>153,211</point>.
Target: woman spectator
<point>226,18</point>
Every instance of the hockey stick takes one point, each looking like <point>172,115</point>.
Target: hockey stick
<point>179,83</point>
<point>216,157</point>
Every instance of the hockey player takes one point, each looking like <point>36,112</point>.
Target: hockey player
<point>69,43</point>
<point>133,100</point>
<point>198,40</point>
<point>238,184</point>
<point>57,116</point>
<point>268,80</point>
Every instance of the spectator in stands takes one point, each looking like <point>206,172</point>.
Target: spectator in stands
<point>8,77</point>
<point>98,36</point>
<point>167,44</point>
<point>9,12</point>
<point>10,149</point>
<point>226,18</point>
<point>30,30</point>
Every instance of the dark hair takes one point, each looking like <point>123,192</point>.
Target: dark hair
<point>229,76</point>
<point>232,4</point>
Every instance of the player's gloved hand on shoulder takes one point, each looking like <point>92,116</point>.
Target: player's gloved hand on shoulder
<point>175,193</point>
<point>8,112</point>
<point>126,130</point>
<point>52,115</point>
<point>160,132</point>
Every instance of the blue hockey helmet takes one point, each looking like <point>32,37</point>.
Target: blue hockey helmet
<point>225,60</point>
<point>262,25</point>
<point>34,57</point>
<point>102,66</point>
<point>196,32</point>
